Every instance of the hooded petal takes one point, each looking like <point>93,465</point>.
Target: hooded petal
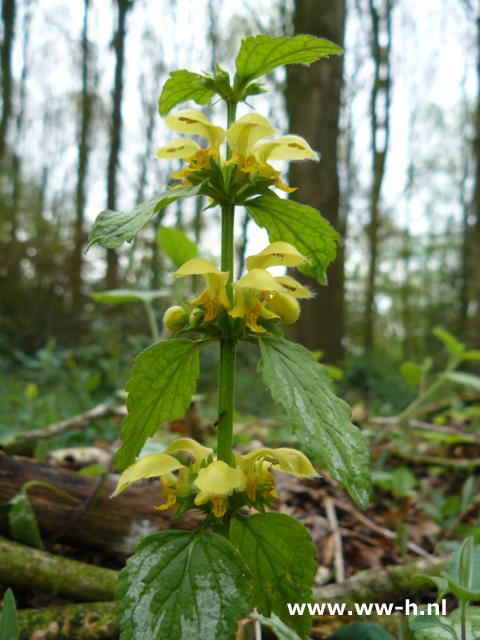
<point>276,254</point>
<point>200,267</point>
<point>289,147</point>
<point>285,306</point>
<point>183,148</point>
<point>218,480</point>
<point>282,459</point>
<point>293,287</point>
<point>196,123</point>
<point>246,131</point>
<point>258,280</point>
<point>196,450</point>
<point>151,466</point>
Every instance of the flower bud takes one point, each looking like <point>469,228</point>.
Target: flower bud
<point>285,306</point>
<point>175,318</point>
<point>196,317</point>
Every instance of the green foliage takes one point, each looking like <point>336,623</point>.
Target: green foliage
<point>464,379</point>
<point>463,572</point>
<point>299,225</point>
<point>176,245</point>
<point>279,553</point>
<point>160,388</point>
<point>319,418</point>
<point>183,85</point>
<point>361,631</point>
<point>22,521</point>
<point>432,627</point>
<point>261,54</point>
<point>278,627</point>
<point>9,628</point>
<point>111,228</point>
<point>413,373</point>
<point>182,585</point>
<point>454,347</point>
<point>127,296</point>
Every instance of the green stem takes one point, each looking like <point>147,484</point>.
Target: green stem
<point>463,614</point>
<point>226,370</point>
<point>153,321</point>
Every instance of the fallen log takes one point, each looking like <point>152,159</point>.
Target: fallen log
<point>383,585</point>
<point>27,568</point>
<point>94,621</point>
<point>113,526</point>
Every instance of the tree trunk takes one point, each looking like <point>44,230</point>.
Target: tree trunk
<point>83,153</point>
<point>313,104</point>
<point>381,24</point>
<point>113,526</point>
<point>8,17</point>
<point>116,132</point>
<point>476,200</point>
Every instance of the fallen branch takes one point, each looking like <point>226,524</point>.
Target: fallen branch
<point>113,526</point>
<point>24,442</point>
<point>93,621</point>
<point>383,585</point>
<point>27,568</point>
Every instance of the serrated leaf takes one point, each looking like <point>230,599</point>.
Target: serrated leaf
<point>468,380</point>
<point>454,346</point>
<point>261,54</point>
<point>127,296</point>
<point>23,522</point>
<point>160,388</point>
<point>176,245</point>
<point>300,225</point>
<point>361,631</point>
<point>319,418</point>
<point>9,628</point>
<point>279,553</point>
<point>181,585</point>
<point>112,228</point>
<point>463,572</point>
<point>183,85</point>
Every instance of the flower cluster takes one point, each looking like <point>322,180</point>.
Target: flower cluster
<point>246,140</point>
<point>257,294</point>
<point>212,484</point>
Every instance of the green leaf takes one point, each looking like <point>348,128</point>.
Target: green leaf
<point>183,85</point>
<point>9,628</point>
<point>300,225</point>
<point>471,354</point>
<point>160,388</point>
<point>436,626</point>
<point>112,228</point>
<point>127,296</point>
<point>23,523</point>
<point>464,379</point>
<point>260,54</point>
<point>280,555</point>
<point>361,631</point>
<point>454,346</point>
<point>182,584</point>
<point>320,419</point>
<point>176,245</point>
<point>463,572</point>
<point>278,627</point>
<point>412,372</point>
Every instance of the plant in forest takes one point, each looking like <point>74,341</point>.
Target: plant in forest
<point>197,585</point>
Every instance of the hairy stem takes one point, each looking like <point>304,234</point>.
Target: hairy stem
<point>226,371</point>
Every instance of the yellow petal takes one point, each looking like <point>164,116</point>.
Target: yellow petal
<point>151,466</point>
<point>285,306</point>
<point>293,287</point>
<point>246,131</point>
<point>183,148</point>
<point>276,254</point>
<point>196,123</point>
<point>196,450</point>
<point>259,280</point>
<point>218,480</point>
<point>289,147</point>
<point>282,459</point>
<point>200,267</point>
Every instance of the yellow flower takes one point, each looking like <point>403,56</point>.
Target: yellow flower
<point>256,466</point>
<point>253,155</point>
<point>198,452</point>
<point>293,287</point>
<point>285,306</point>
<point>192,122</point>
<point>276,254</point>
<point>154,465</point>
<point>251,291</point>
<point>214,295</point>
<point>175,318</point>
<point>215,483</point>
